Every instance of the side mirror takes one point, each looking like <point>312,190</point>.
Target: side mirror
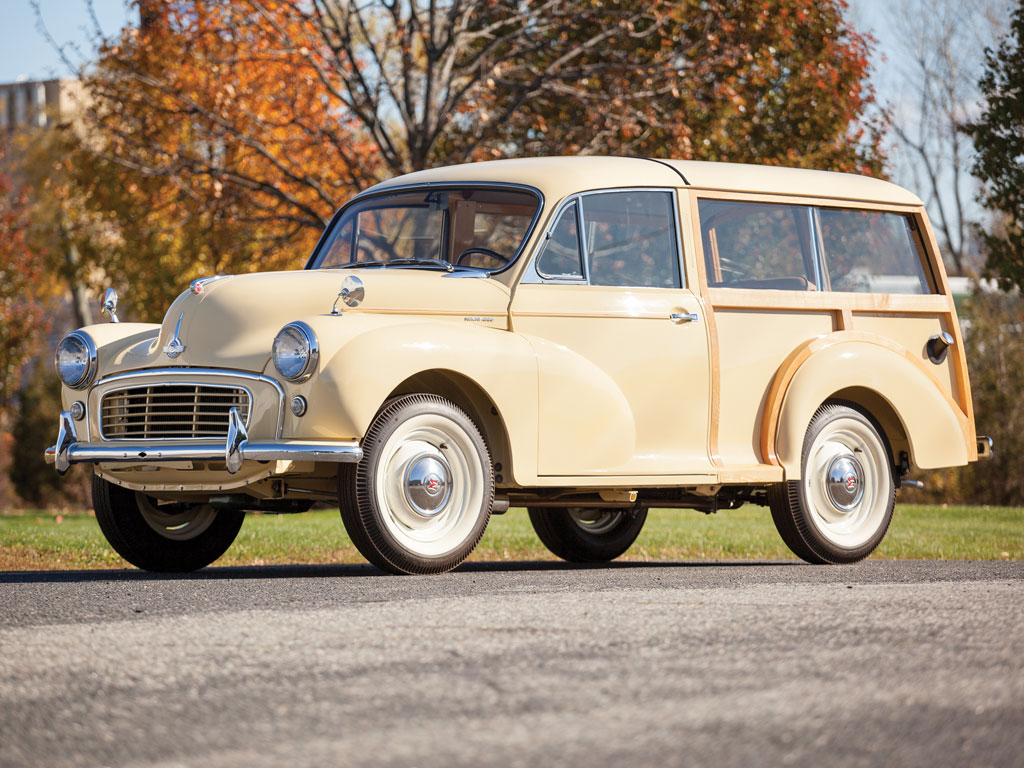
<point>352,293</point>
<point>109,306</point>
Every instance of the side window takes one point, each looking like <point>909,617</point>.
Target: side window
<point>631,239</point>
<point>561,255</point>
<point>757,245</point>
<point>871,252</point>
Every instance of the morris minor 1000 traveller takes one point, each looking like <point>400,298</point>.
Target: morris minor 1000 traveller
<point>584,337</point>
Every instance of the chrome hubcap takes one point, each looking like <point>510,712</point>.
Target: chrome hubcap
<point>428,483</point>
<point>844,482</point>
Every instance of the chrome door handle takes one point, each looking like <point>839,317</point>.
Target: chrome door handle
<point>684,317</point>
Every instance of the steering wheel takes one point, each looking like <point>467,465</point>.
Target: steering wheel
<point>505,261</point>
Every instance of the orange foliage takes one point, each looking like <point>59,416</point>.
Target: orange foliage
<point>20,313</point>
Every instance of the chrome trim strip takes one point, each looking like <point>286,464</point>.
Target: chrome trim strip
<point>185,383</point>
<point>370,193</point>
<point>148,372</point>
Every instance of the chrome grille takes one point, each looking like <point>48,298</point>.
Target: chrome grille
<point>171,411</point>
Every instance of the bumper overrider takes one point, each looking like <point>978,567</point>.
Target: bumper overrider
<point>233,452</point>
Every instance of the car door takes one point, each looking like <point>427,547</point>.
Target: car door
<point>623,372</point>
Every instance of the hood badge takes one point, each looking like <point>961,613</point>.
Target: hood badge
<point>174,347</point>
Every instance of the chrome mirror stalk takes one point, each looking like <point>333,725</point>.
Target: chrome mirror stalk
<point>352,293</point>
<point>109,306</point>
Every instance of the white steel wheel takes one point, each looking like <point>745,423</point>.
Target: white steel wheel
<point>420,499</point>
<point>840,509</point>
<point>179,522</point>
<point>587,534</point>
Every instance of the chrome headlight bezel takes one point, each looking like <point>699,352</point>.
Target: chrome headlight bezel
<point>89,348</point>
<point>301,332</point>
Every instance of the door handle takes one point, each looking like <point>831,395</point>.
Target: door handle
<point>684,317</point>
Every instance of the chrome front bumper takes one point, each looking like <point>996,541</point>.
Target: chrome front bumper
<point>233,452</point>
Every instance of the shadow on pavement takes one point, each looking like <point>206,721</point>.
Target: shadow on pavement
<point>341,571</point>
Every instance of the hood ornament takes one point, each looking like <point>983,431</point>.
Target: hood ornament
<point>352,293</point>
<point>198,285</point>
<point>174,347</point>
<point>109,306</point>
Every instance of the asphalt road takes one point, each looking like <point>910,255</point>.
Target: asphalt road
<point>882,664</point>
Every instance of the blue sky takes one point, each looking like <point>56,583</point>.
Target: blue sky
<point>25,52</point>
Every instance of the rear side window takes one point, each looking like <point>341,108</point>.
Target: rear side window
<point>757,245</point>
<point>871,252</point>
<point>630,239</point>
<point>804,248</point>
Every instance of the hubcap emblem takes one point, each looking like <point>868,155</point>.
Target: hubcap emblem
<point>427,484</point>
<point>842,481</point>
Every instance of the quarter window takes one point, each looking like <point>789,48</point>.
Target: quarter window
<point>631,239</point>
<point>561,258</point>
<point>871,252</point>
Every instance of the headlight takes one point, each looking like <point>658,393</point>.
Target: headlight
<point>296,351</point>
<point>75,359</point>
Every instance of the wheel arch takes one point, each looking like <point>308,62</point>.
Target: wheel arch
<point>876,375</point>
<point>475,401</point>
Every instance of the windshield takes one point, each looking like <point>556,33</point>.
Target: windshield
<point>445,228</point>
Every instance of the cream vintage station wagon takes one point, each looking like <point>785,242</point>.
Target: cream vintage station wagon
<point>585,337</point>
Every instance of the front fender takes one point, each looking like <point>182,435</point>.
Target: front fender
<point>937,430</point>
<point>364,358</point>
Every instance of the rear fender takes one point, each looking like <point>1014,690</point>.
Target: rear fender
<point>938,433</point>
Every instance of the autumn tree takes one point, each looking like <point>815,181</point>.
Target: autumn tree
<point>998,135</point>
<point>20,313</point>
<point>779,82</point>
<point>225,134</point>
<point>208,151</point>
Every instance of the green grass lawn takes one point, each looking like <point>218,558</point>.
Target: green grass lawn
<point>52,541</point>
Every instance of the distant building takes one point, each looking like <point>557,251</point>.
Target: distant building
<point>38,103</point>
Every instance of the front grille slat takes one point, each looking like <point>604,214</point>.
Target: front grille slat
<point>171,411</point>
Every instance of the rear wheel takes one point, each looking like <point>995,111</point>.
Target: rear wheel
<point>160,536</point>
<point>587,535</point>
<point>420,499</point>
<point>840,509</point>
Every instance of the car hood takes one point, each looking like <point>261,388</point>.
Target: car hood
<point>232,321</point>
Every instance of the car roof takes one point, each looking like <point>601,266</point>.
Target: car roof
<point>557,177</point>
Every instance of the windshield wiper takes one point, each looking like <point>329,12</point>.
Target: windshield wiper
<point>448,266</point>
<point>351,264</point>
<point>404,262</point>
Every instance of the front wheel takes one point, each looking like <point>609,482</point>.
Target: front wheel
<point>420,499</point>
<point>840,509</point>
<point>163,537</point>
<point>585,535</point>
